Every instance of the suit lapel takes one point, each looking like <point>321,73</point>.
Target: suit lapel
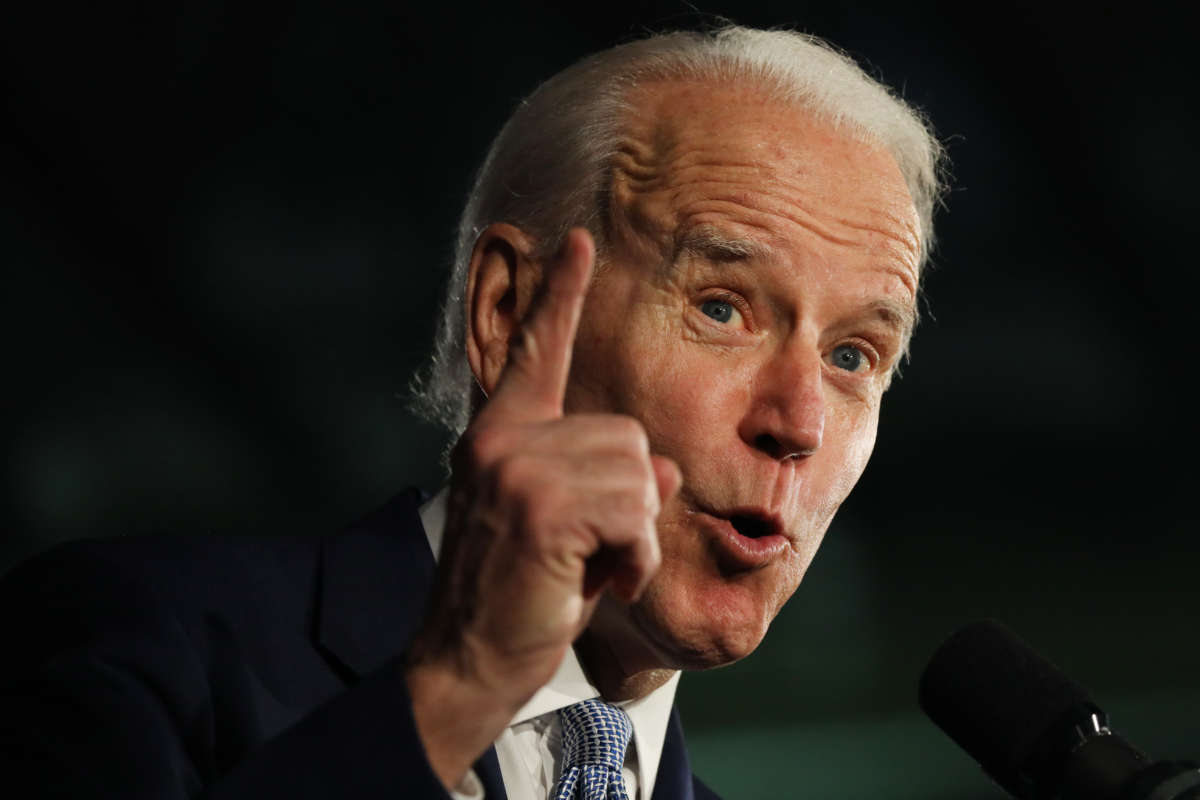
<point>487,768</point>
<point>674,779</point>
<point>374,587</point>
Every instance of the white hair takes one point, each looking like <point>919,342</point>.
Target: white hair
<point>549,168</point>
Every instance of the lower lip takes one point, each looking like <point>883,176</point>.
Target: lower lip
<point>741,551</point>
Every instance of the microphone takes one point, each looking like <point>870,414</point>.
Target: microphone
<point>1032,729</point>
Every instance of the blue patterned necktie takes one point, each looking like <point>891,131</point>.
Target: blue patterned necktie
<point>595,736</point>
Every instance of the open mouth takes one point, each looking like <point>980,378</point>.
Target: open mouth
<point>752,527</point>
<point>747,539</point>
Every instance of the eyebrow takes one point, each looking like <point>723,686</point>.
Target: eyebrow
<point>710,242</point>
<point>901,316</point>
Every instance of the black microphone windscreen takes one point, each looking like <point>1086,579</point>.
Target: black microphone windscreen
<point>997,698</point>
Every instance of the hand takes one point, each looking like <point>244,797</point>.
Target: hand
<point>546,512</point>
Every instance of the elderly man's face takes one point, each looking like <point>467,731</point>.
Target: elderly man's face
<point>758,286</point>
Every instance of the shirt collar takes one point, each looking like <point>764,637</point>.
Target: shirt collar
<point>649,715</point>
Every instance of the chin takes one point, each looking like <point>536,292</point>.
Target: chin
<point>701,626</point>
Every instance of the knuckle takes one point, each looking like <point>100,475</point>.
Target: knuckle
<point>484,445</point>
<point>621,507</point>
<point>653,551</point>
<point>645,484</point>
<point>653,504</point>
<point>648,476</point>
<point>542,505</point>
<point>639,506</point>
<point>631,434</point>
<point>535,502</point>
<point>514,475</point>
<point>467,454</point>
<point>645,488</point>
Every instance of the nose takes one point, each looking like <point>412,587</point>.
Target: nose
<point>786,414</point>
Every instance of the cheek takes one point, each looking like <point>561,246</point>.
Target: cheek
<point>647,368</point>
<point>621,347</point>
<point>861,439</point>
<point>685,403</point>
<point>855,441</point>
<point>688,397</point>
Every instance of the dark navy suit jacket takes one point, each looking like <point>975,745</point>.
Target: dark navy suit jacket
<point>247,667</point>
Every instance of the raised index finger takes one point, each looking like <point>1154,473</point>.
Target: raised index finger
<point>534,380</point>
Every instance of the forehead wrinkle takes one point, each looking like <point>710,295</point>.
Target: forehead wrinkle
<point>637,161</point>
<point>660,180</point>
<point>659,165</point>
<point>791,201</point>
<point>892,248</point>
<point>793,198</point>
<point>641,175</point>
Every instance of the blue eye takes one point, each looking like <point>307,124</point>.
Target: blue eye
<point>717,309</point>
<point>849,358</point>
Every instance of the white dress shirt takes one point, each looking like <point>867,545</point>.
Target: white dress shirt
<point>530,749</point>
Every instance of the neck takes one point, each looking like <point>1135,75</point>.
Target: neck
<point>614,669</point>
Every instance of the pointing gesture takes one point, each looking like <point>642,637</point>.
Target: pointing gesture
<point>535,378</point>
<point>546,511</point>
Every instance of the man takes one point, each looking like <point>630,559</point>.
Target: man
<point>684,279</point>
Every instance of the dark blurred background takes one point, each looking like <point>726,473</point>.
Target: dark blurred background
<point>223,248</point>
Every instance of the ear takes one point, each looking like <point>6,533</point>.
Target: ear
<point>502,279</point>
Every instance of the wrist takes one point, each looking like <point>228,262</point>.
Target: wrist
<point>457,718</point>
